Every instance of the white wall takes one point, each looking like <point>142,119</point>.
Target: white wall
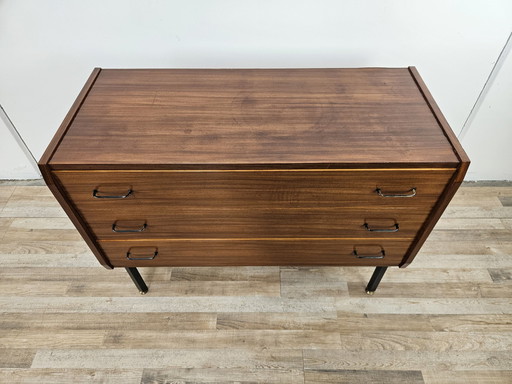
<point>15,164</point>
<point>489,136</point>
<point>48,48</point>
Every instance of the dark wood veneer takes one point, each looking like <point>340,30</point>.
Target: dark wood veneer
<point>56,188</point>
<point>253,116</point>
<point>455,181</point>
<point>222,252</point>
<point>227,204</point>
<point>254,166</point>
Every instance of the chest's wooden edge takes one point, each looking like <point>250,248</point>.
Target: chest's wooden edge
<point>443,123</point>
<point>47,168</point>
<point>52,183</point>
<point>443,201</point>
<point>66,123</point>
<point>249,167</point>
<point>71,211</point>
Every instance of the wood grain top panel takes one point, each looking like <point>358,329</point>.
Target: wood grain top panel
<point>218,117</point>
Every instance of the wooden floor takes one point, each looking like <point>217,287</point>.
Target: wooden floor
<point>445,319</point>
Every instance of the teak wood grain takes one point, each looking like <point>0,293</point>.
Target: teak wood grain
<point>263,156</point>
<point>55,187</point>
<point>456,180</point>
<point>219,252</point>
<point>259,188</point>
<point>220,223</point>
<point>138,118</point>
<point>254,204</point>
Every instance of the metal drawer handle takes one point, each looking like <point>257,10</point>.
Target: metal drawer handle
<point>381,256</point>
<point>116,229</point>
<point>411,193</point>
<point>129,257</point>
<point>393,229</point>
<point>96,195</point>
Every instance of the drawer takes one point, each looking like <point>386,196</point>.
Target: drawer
<point>177,222</point>
<point>254,189</point>
<point>254,204</point>
<point>246,252</point>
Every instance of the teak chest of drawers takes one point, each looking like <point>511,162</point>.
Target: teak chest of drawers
<point>217,167</point>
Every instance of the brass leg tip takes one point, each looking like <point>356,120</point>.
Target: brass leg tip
<point>370,292</point>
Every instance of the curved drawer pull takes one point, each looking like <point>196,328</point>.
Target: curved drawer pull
<point>130,257</point>
<point>96,195</point>
<point>381,256</point>
<point>395,228</point>
<point>410,193</point>
<point>116,229</point>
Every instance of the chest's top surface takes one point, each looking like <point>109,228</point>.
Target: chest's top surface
<point>219,117</point>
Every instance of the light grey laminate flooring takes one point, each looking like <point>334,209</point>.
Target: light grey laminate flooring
<point>445,319</point>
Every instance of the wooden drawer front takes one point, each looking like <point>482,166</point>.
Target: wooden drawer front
<point>255,189</point>
<point>253,252</point>
<point>187,223</point>
<point>256,204</point>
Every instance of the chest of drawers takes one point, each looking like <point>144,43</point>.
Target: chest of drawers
<point>178,167</point>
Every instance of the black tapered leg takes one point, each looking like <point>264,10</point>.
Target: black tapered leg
<point>375,280</point>
<point>137,279</point>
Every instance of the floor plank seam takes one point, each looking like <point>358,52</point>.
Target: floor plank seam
<point>447,319</point>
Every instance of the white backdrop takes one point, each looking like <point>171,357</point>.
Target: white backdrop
<point>48,49</point>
